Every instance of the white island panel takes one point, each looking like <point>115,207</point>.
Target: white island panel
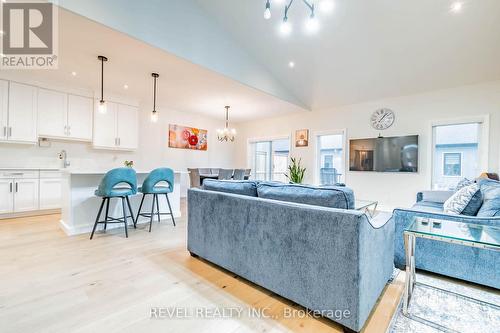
<point>80,205</point>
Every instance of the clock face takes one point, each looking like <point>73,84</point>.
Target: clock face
<point>382,119</point>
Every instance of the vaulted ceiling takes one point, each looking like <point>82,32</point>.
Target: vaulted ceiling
<point>364,50</point>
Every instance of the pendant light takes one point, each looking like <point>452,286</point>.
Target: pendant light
<point>154,114</point>
<point>226,134</point>
<point>102,103</point>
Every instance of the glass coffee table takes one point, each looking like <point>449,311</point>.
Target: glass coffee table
<point>364,205</point>
<point>467,234</point>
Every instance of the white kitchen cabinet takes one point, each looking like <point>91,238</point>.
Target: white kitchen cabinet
<point>79,119</point>
<point>64,116</point>
<point>4,105</point>
<point>117,128</point>
<point>25,195</point>
<point>50,193</point>
<point>105,126</point>
<point>127,126</point>
<point>6,196</point>
<point>22,113</point>
<point>52,113</point>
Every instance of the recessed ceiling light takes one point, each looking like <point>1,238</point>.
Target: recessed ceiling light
<point>2,32</point>
<point>125,86</point>
<point>326,6</point>
<point>291,64</point>
<point>73,73</point>
<point>456,7</point>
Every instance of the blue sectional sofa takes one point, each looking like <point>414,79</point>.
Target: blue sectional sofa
<point>466,263</point>
<point>304,243</point>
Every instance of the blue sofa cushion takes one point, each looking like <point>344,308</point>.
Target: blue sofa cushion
<point>428,207</point>
<point>466,201</point>
<point>491,198</point>
<point>326,196</point>
<point>242,187</point>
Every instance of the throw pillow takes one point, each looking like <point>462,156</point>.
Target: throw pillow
<point>463,183</point>
<point>459,202</point>
<point>491,196</point>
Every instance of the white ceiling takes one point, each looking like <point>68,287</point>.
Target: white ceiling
<point>182,85</point>
<point>368,50</point>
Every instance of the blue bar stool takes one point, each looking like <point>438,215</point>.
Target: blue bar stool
<point>152,185</point>
<point>116,183</point>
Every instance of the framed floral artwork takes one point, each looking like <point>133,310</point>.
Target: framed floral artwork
<point>187,137</point>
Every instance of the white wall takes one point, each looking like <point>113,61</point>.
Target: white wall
<point>414,115</point>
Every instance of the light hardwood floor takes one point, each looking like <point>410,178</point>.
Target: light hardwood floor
<point>53,283</point>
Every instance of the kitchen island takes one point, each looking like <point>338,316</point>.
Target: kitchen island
<point>80,205</point>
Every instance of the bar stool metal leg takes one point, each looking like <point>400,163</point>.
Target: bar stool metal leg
<point>152,213</point>
<point>130,209</point>
<point>170,208</point>
<point>157,208</point>
<point>124,217</point>
<point>139,211</point>
<point>107,213</point>
<point>97,218</point>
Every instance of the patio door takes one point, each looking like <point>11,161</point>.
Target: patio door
<point>269,159</point>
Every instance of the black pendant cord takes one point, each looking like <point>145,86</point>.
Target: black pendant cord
<point>155,77</point>
<point>102,79</point>
<point>102,59</point>
<point>227,117</point>
<point>154,96</point>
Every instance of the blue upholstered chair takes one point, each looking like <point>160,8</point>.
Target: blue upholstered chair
<point>116,183</point>
<point>159,181</point>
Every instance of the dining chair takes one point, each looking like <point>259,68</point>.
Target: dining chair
<point>154,185</point>
<point>239,174</point>
<point>225,174</point>
<point>194,177</point>
<point>116,183</point>
<point>214,171</point>
<point>248,173</point>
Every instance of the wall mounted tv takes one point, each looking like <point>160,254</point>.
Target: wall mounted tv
<point>384,154</point>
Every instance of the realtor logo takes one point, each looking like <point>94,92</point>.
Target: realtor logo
<point>29,35</point>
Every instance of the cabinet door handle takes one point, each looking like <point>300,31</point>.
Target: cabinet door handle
<point>16,187</point>
<point>65,130</point>
<point>5,131</point>
<point>10,131</point>
<point>10,187</point>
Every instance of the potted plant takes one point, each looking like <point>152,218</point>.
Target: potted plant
<point>295,171</point>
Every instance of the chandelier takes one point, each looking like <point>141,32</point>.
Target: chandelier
<point>311,23</point>
<point>226,134</point>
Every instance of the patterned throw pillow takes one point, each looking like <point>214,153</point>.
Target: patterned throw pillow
<point>463,183</point>
<point>465,201</point>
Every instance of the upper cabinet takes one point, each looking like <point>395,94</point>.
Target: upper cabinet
<point>117,128</point>
<point>64,116</point>
<point>52,113</point>
<point>4,104</point>
<point>80,110</point>
<point>21,114</point>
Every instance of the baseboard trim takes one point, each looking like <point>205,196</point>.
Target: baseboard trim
<point>30,213</point>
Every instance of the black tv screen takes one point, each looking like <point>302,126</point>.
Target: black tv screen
<point>384,154</point>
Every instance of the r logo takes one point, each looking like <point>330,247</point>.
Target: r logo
<point>28,28</point>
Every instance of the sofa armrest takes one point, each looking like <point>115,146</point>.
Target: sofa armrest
<point>434,196</point>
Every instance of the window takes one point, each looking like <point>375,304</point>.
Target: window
<point>456,154</point>
<point>330,155</point>
<point>269,159</point>
<point>452,164</point>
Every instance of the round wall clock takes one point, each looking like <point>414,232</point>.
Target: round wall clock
<point>382,119</point>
